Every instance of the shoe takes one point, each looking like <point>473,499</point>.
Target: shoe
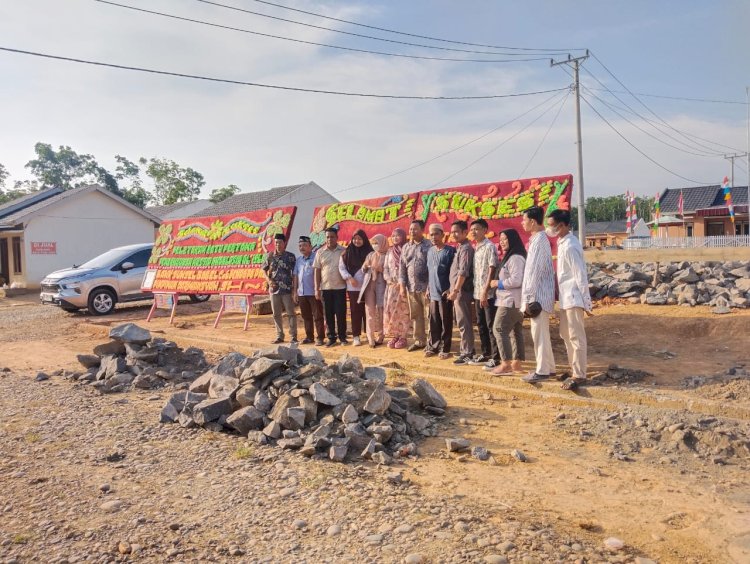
<point>462,359</point>
<point>444,355</point>
<point>308,341</point>
<point>533,377</point>
<point>400,344</point>
<point>392,343</point>
<point>428,353</point>
<point>294,341</point>
<point>344,342</point>
<point>331,343</point>
<point>277,341</point>
<point>490,365</point>
<point>319,343</point>
<point>414,347</point>
<point>477,360</point>
<point>356,342</point>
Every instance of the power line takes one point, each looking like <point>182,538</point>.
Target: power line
<point>613,128</point>
<point>565,49</point>
<point>352,34</point>
<point>275,86</point>
<point>446,153</point>
<point>642,103</point>
<point>706,100</point>
<point>544,138</point>
<point>304,42</point>
<point>496,147</point>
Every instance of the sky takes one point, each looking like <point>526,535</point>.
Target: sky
<point>258,138</point>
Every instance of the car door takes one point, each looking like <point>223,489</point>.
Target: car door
<point>129,282</point>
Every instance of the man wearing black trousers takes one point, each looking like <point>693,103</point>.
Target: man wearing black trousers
<point>330,287</point>
<point>485,270</point>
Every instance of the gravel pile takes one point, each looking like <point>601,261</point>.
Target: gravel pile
<point>290,397</point>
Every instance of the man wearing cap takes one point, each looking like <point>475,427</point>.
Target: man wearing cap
<point>278,267</point>
<point>439,261</point>
<point>330,287</point>
<point>303,293</point>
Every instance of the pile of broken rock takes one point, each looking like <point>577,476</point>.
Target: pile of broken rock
<point>132,359</point>
<point>290,396</point>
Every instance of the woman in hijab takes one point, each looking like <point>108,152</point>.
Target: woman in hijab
<point>396,321</point>
<point>508,325</point>
<point>350,267</point>
<point>373,295</point>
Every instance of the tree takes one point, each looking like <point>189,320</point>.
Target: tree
<point>127,172</point>
<point>219,194</point>
<point>612,208</point>
<point>173,183</point>
<point>4,174</point>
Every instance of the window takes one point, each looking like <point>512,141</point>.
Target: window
<point>139,259</point>
<point>17,258</point>
<point>715,229</point>
<point>689,228</point>
<point>741,228</point>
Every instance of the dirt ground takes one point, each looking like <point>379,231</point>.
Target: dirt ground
<point>613,460</point>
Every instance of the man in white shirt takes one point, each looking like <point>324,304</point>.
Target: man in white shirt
<point>575,299</point>
<point>538,288</point>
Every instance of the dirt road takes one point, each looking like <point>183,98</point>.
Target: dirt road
<point>660,464</point>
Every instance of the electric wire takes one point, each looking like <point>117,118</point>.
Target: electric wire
<point>314,43</point>
<point>274,86</point>
<point>544,138</point>
<point>642,103</point>
<point>496,147</point>
<point>683,98</point>
<point>363,36</point>
<point>613,128</point>
<point>442,40</point>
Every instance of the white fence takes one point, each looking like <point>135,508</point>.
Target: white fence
<point>686,242</point>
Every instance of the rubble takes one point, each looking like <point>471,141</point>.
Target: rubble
<point>721,286</point>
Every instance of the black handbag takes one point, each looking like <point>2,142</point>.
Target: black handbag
<point>533,309</point>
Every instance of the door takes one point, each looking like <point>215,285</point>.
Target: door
<point>4,262</point>
<point>130,282</point>
<point>715,229</point>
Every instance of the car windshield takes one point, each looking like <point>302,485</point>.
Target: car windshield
<point>107,259</point>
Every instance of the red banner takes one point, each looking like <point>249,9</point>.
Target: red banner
<point>500,203</point>
<point>211,255</point>
<point>376,215</point>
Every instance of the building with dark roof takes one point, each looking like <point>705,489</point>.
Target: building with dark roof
<point>179,210</point>
<point>305,196</point>
<point>602,234</point>
<point>704,212</point>
<point>54,228</point>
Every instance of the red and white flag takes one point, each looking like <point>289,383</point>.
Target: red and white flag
<point>628,223</point>
<point>681,205</point>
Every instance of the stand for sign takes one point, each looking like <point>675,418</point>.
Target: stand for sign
<point>242,303</point>
<point>164,301</point>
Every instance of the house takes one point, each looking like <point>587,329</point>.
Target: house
<point>178,210</point>
<point>54,228</point>
<point>602,234</point>
<point>305,196</point>
<point>705,213</point>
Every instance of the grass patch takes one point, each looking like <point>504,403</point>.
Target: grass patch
<point>243,452</point>
<point>21,538</point>
<point>32,437</point>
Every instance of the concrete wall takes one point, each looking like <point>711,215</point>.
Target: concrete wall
<point>306,198</point>
<point>83,226</point>
<point>669,255</point>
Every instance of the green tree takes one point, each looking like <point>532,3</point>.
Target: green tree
<point>219,194</point>
<point>4,174</point>
<point>173,183</point>
<point>612,208</point>
<point>128,175</point>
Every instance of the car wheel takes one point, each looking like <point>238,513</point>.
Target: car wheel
<point>102,301</point>
<point>198,298</point>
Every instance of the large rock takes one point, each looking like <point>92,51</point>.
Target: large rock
<point>295,418</point>
<point>201,384</point>
<point>686,276</point>
<point>211,409</point>
<point>350,364</point>
<point>378,402</point>
<point>263,402</point>
<point>261,367</point>
<point>245,396</point>
<point>310,406</point>
<point>280,352</point>
<point>229,363</point>
<point>279,411</point>
<point>110,348</point>
<point>322,395</point>
<point>223,386</point>
<point>312,356</point>
<point>742,284</point>
<point>245,420</point>
<point>111,365</point>
<point>89,360</point>
<point>130,333</point>
<point>375,373</point>
<point>428,394</point>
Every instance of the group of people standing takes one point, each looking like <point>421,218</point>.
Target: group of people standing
<point>422,285</point>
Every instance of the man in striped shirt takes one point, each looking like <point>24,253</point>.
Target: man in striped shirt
<point>539,288</point>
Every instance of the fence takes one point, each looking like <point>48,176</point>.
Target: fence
<point>686,242</point>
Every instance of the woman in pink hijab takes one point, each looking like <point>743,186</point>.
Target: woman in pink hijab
<point>396,322</point>
<point>373,294</point>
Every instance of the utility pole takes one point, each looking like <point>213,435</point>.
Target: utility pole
<point>576,63</point>
<point>731,158</point>
<point>747,94</point>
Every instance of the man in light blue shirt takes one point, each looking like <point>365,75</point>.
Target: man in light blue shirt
<point>303,293</point>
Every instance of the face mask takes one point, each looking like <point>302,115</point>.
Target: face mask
<point>551,232</point>
<point>376,247</point>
